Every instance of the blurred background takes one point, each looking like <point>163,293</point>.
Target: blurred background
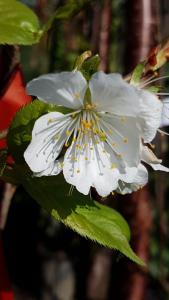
<point>45,260</point>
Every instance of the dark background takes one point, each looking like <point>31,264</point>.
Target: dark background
<point>47,261</point>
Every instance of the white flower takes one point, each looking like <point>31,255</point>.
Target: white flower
<point>98,143</point>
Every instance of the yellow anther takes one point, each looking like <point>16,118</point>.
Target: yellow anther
<point>91,148</point>
<point>112,193</point>
<point>74,158</point>
<point>66,144</point>
<point>78,146</point>
<point>77,96</point>
<point>114,144</point>
<point>74,114</point>
<point>86,158</point>
<point>56,137</point>
<point>102,136</point>
<point>119,155</point>
<point>67,132</point>
<point>95,131</point>
<point>113,166</point>
<point>78,171</point>
<point>51,121</point>
<point>125,140</point>
<point>123,119</point>
<point>90,106</point>
<point>62,164</point>
<point>87,124</point>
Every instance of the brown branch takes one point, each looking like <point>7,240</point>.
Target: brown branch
<point>9,191</point>
<point>99,275</point>
<point>104,45</point>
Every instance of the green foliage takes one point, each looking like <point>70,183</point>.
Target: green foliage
<point>67,11</point>
<point>153,89</point>
<point>18,24</point>
<point>137,73</point>
<point>90,66</point>
<point>21,128</point>
<point>83,215</point>
<point>86,64</point>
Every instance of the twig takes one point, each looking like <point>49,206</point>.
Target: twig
<point>9,191</point>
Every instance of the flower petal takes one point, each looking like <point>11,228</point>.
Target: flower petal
<point>54,169</point>
<point>150,158</point>
<point>48,138</point>
<point>95,165</point>
<point>165,113</point>
<point>124,136</point>
<point>141,178</point>
<point>65,88</point>
<point>149,118</point>
<point>110,93</point>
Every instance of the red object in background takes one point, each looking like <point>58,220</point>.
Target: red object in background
<point>12,99</point>
<point>6,292</point>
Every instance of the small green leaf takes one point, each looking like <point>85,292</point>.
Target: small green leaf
<point>20,132</point>
<point>90,66</point>
<point>85,216</point>
<point>18,24</point>
<point>81,59</point>
<point>137,73</point>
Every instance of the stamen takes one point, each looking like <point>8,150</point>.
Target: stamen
<point>125,140</point>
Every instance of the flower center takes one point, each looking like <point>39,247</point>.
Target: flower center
<point>89,106</point>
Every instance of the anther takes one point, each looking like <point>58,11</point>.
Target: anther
<point>125,140</point>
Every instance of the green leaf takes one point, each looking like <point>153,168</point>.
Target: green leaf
<point>18,24</point>
<point>20,132</point>
<point>90,66</point>
<point>153,89</point>
<point>85,216</point>
<point>67,11</point>
<point>81,59</point>
<point>137,73</point>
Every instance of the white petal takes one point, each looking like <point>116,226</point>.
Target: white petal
<point>54,169</point>
<point>110,93</point>
<point>65,88</point>
<point>92,166</point>
<point>124,136</point>
<point>129,175</point>
<point>150,158</point>
<point>159,167</point>
<point>48,137</point>
<point>165,113</point>
<point>149,118</point>
<point>141,178</point>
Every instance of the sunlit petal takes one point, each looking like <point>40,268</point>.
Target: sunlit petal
<point>65,88</point>
<point>48,138</point>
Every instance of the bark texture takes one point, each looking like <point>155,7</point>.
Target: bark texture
<point>142,32</point>
<point>104,45</point>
